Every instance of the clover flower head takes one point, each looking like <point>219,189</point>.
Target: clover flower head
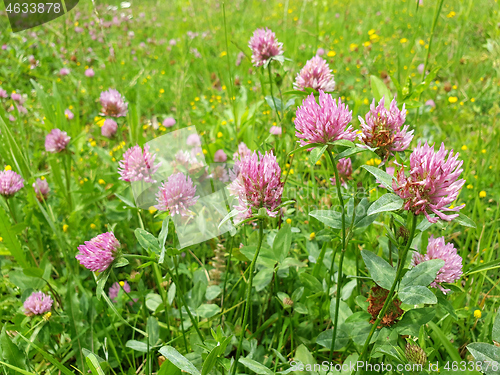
<point>138,165</point>
<point>323,122</point>
<point>98,253</point>
<point>37,303</point>
<point>113,104</point>
<point>316,74</point>
<point>438,249</point>
<point>432,183</point>
<point>176,195</point>
<point>383,128</point>
<point>10,183</point>
<point>257,184</point>
<point>264,45</point>
<point>56,141</point>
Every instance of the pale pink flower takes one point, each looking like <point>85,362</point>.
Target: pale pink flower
<point>275,130</point>
<point>176,195</point>
<point>243,151</point>
<point>438,249</point>
<point>10,183</point>
<point>193,140</point>
<point>344,168</point>
<point>41,188</point>
<point>64,72</point>
<point>382,128</point>
<point>220,156</point>
<point>168,122</point>
<point>69,115</point>
<point>115,289</point>
<point>113,104</point>
<point>109,128</point>
<point>316,74</point>
<point>37,303</point>
<point>257,184</point>
<point>138,165</point>
<point>264,45</point>
<point>432,184</point>
<point>325,122</point>
<point>89,73</point>
<point>98,253</point>
<point>56,141</point>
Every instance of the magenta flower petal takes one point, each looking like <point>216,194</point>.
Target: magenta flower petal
<point>56,141</point>
<point>138,165</point>
<point>325,122</point>
<point>98,253</point>
<point>438,249</point>
<point>316,74</point>
<point>220,156</point>
<point>37,303</point>
<point>113,104</point>
<point>382,128</point>
<point>10,183</point>
<point>109,128</point>
<point>432,184</point>
<point>41,188</point>
<point>257,184</point>
<point>264,45</point>
<point>176,195</point>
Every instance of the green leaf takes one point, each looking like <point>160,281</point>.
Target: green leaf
<point>256,367</point>
<point>211,360</point>
<point>325,338</point>
<point>178,360</point>
<point>344,311</point>
<point>494,264</point>
<point>416,295</point>
<point>137,346</point>
<point>282,243</point>
<point>101,282</point>
<point>423,274</point>
<point>495,332</point>
<point>310,282</point>
<point>11,241</point>
<point>94,365</point>
<point>379,90</point>
<point>380,271</point>
<point>330,218</point>
<point>413,320</point>
<point>465,221</point>
<point>485,352</point>
<point>384,177</point>
<point>162,238</point>
<point>445,341</point>
<point>207,310</point>
<point>153,300</point>
<point>316,153</point>
<point>33,272</point>
<point>147,240</point>
<point>387,202</point>
<point>48,357</point>
<point>17,369</point>
<point>10,352</point>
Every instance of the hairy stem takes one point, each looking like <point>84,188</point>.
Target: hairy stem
<point>343,249</point>
<point>249,296</point>
<point>390,296</point>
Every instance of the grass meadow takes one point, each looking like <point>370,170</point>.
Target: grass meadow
<point>327,274</point>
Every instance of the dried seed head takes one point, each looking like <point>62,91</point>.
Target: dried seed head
<point>415,354</point>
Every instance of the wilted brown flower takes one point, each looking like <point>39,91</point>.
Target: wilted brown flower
<point>377,299</point>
